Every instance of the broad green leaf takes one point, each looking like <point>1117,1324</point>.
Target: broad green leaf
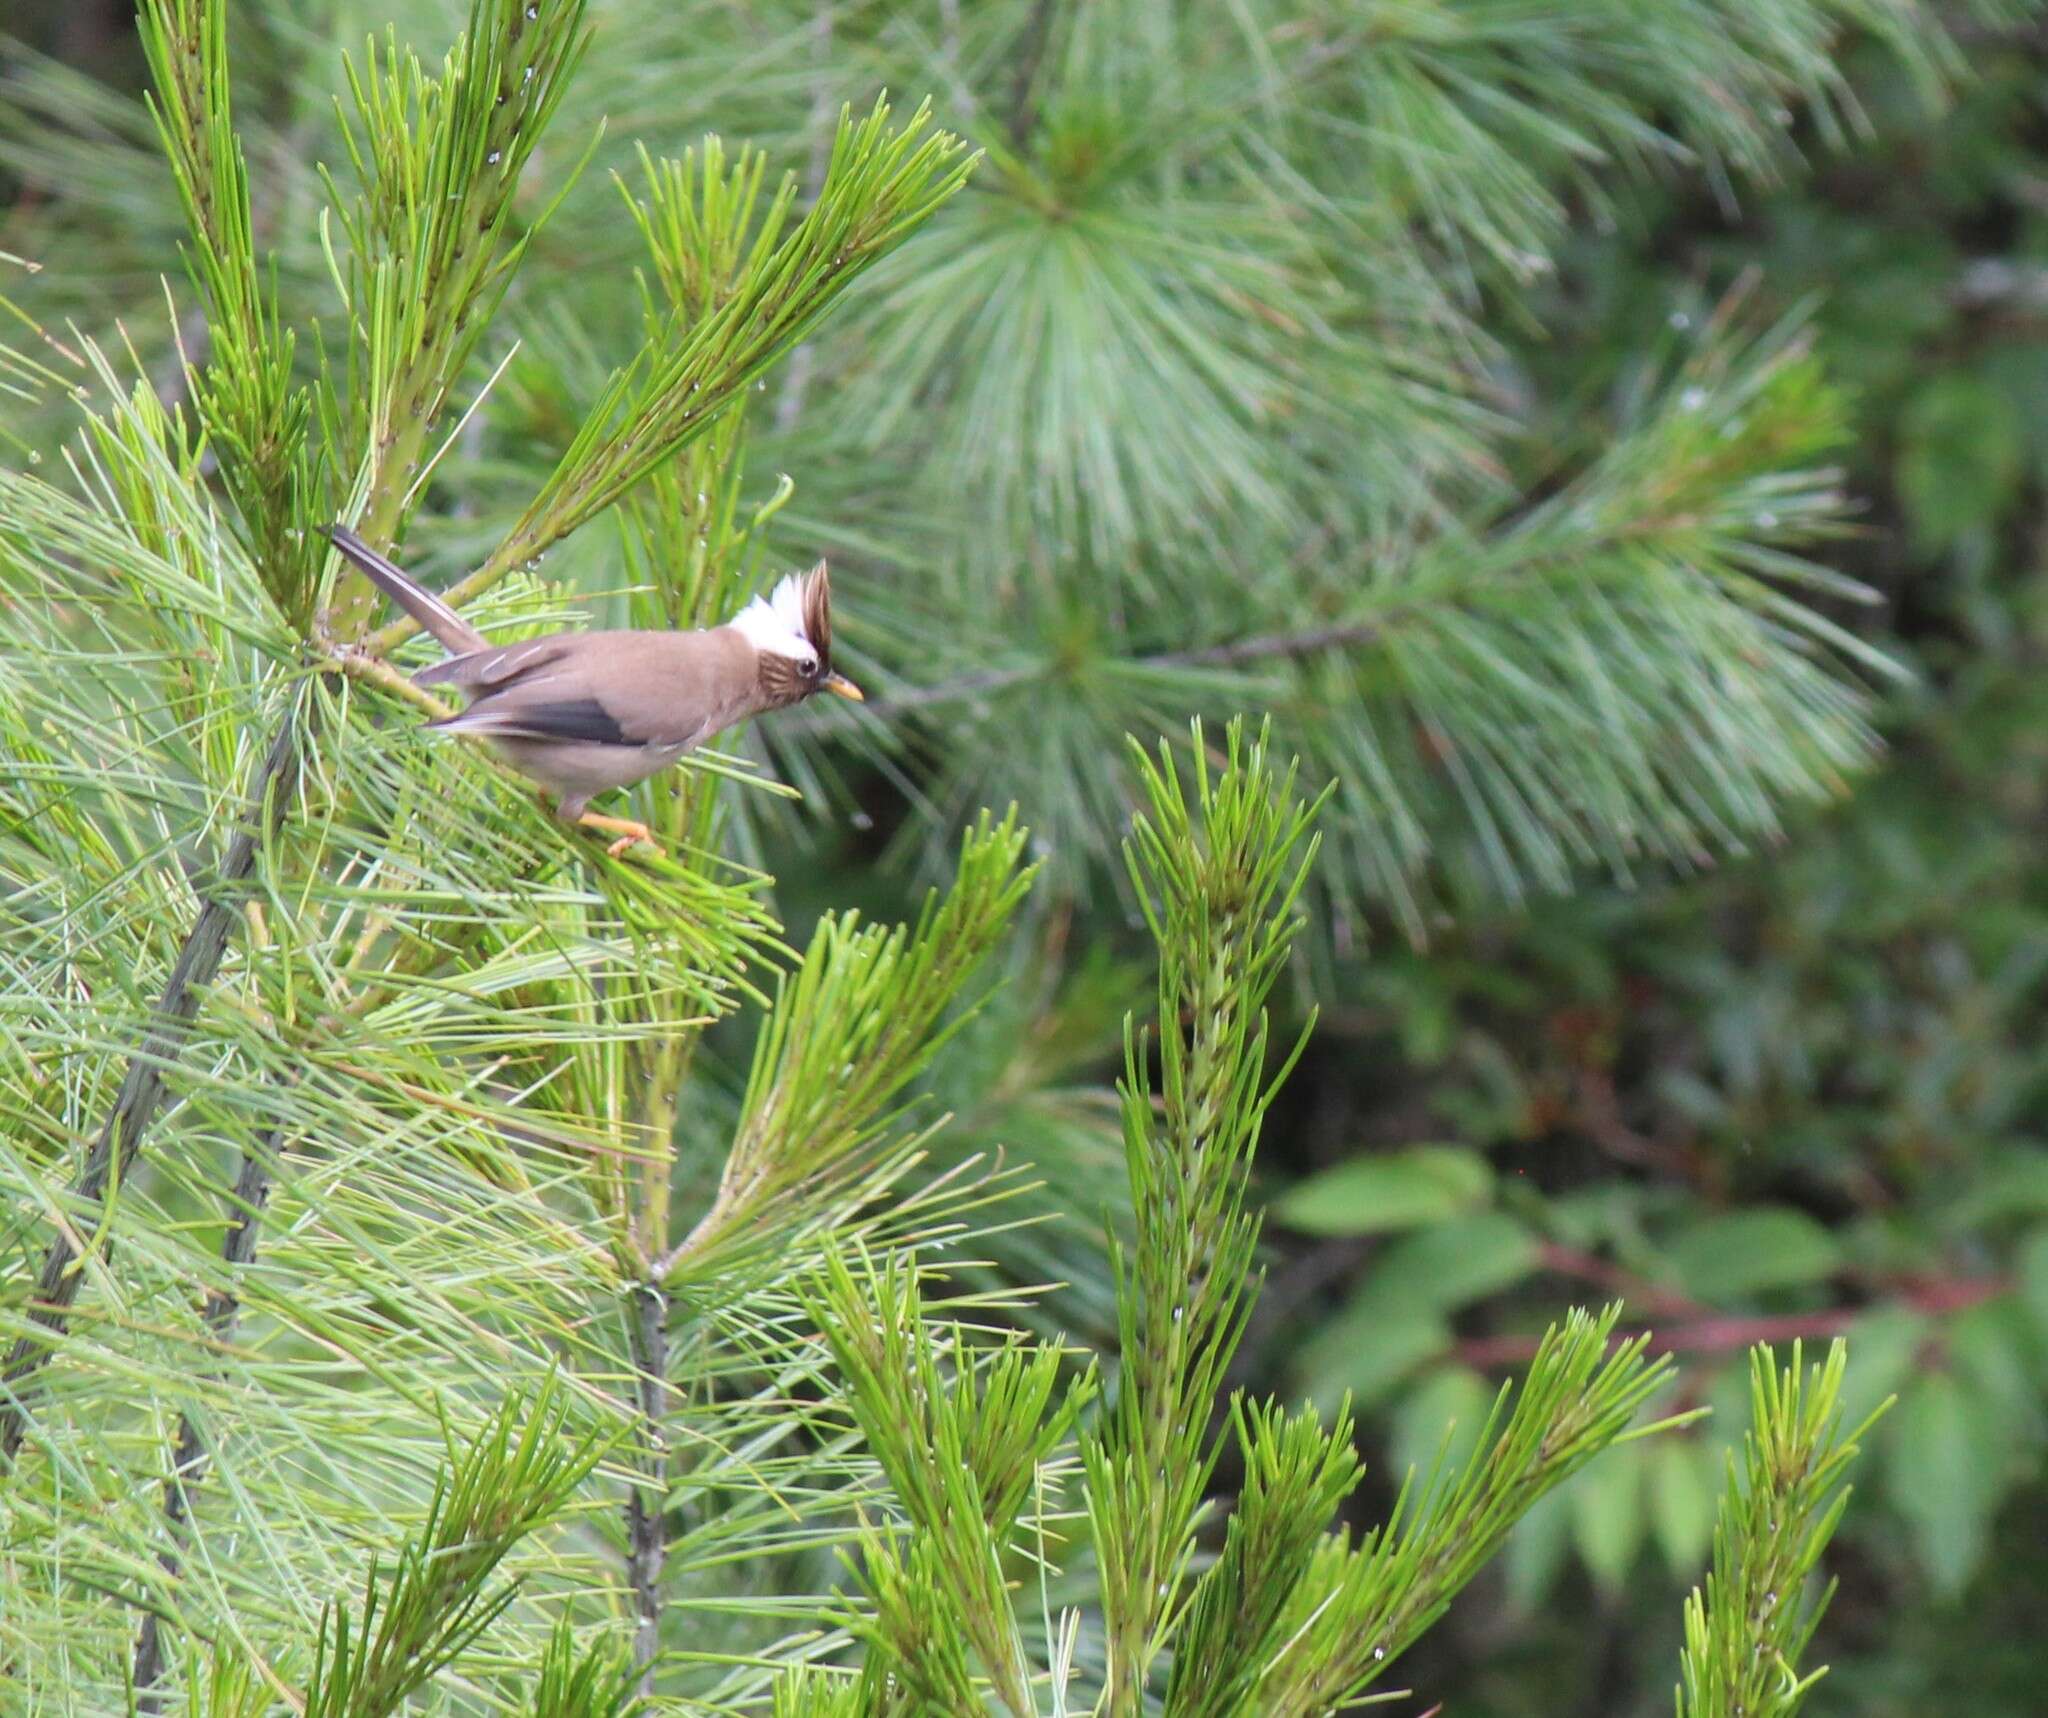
<point>2016,1187</point>
<point>1438,1420</point>
<point>1992,1345</point>
<point>1884,1345</point>
<point>1607,1515</point>
<point>1365,1352</point>
<point>1449,1265</point>
<point>1725,1394</point>
<point>1765,1247</point>
<point>1535,1551</point>
<point>1685,1485</point>
<point>1946,1476</point>
<point>1372,1194</point>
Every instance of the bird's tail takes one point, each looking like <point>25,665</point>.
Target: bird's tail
<point>419,602</point>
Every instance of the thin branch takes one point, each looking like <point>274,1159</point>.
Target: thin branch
<point>223,1310</point>
<point>1622,1284</point>
<point>1339,635</point>
<point>1725,1333</point>
<point>142,1087</point>
<point>646,1503</point>
<point>1023,83</point>
<point>1310,641</point>
<point>949,56</point>
<point>955,691</point>
<point>357,664</point>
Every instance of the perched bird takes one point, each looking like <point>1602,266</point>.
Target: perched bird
<point>583,712</point>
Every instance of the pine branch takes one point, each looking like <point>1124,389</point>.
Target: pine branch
<point>1309,641</point>
<point>789,406</point>
<point>647,1500</point>
<point>1489,125</point>
<point>1296,1476</point>
<point>188,1463</point>
<point>1218,879</point>
<point>880,186</point>
<point>1357,1610</point>
<point>1142,346</point>
<point>962,1456</point>
<point>813,1693</point>
<point>257,418</point>
<point>142,1086</point>
<point>597,1683</point>
<point>418,993</point>
<point>230,1686</point>
<point>439,159</point>
<point>1745,1635</point>
<point>688,571</point>
<point>1290,1620</point>
<point>1638,668</point>
<point>513,1478</point>
<point>850,1028</point>
<point>1026,62</point>
<point>917,1638</point>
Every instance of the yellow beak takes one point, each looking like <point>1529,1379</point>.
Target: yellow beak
<point>844,687</point>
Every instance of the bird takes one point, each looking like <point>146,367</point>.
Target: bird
<point>580,713</point>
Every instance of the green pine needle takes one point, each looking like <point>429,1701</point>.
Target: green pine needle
<point>1746,1633</point>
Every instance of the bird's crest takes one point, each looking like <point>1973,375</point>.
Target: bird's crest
<point>798,612</point>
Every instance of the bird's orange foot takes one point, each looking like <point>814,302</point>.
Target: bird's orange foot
<point>630,834</point>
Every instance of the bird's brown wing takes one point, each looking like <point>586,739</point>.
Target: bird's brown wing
<point>480,671</point>
<point>606,688</point>
<point>584,720</point>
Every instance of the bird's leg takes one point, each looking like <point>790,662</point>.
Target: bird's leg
<point>629,833</point>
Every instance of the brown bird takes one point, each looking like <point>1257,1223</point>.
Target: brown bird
<point>580,713</point>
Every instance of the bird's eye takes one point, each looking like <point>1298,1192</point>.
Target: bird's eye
<point>807,665</point>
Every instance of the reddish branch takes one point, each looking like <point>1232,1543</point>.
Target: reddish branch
<point>1637,1291</point>
<point>1721,1333</point>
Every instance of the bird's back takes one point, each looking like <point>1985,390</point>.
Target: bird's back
<point>620,687</point>
<point>675,686</point>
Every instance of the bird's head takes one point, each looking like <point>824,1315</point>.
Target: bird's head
<point>791,632</point>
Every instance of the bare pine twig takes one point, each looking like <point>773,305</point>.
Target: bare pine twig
<point>142,1086</point>
<point>223,1310</point>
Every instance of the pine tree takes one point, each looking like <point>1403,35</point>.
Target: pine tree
<point>1191,404</point>
<point>398,1302</point>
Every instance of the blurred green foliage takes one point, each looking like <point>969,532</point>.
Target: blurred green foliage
<point>1807,1091</point>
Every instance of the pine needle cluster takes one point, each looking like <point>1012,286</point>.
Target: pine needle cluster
<point>1193,402</point>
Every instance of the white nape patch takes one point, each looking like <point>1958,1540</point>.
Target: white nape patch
<point>776,622</point>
